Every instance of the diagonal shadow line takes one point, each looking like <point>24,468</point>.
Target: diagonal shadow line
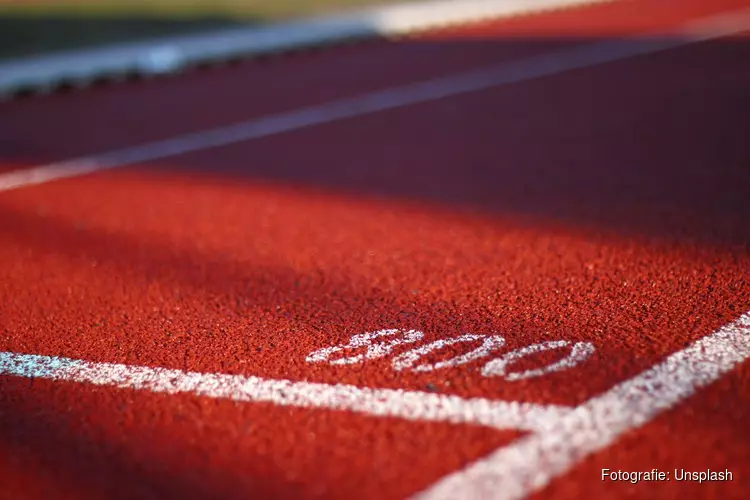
<point>622,158</point>
<point>627,157</point>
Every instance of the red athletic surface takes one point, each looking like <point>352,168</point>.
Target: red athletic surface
<point>607,204</point>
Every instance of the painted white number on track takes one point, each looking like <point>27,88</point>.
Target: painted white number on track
<point>498,367</point>
<point>407,359</point>
<point>374,350</point>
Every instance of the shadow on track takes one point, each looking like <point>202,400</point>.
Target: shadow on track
<point>652,146</point>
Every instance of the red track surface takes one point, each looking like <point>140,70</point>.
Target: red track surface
<point>606,205</point>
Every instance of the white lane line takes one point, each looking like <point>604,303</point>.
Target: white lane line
<point>409,405</point>
<point>431,90</point>
<point>533,462</point>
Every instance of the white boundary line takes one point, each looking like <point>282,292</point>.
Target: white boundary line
<point>172,54</point>
<point>561,436</point>
<point>532,462</point>
<point>392,98</point>
<point>409,405</point>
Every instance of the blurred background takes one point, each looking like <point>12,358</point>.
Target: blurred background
<point>29,27</point>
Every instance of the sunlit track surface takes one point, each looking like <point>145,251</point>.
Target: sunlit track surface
<point>490,261</point>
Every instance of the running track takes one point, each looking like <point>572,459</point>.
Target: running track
<point>600,204</point>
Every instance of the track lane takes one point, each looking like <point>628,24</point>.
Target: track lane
<point>59,127</point>
<point>132,267</point>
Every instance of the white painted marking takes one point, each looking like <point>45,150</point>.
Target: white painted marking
<point>431,90</point>
<point>561,436</point>
<point>409,405</point>
<point>374,350</point>
<point>533,462</point>
<point>499,367</point>
<point>407,359</point>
